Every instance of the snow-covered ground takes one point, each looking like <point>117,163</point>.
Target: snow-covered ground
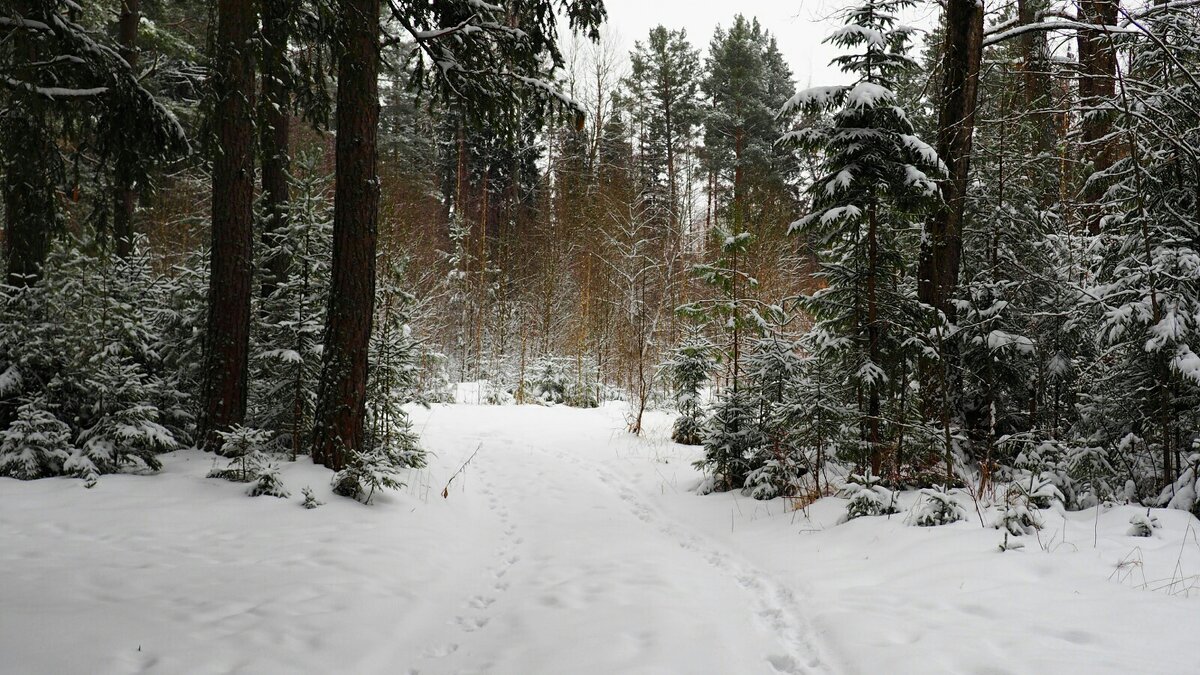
<point>565,546</point>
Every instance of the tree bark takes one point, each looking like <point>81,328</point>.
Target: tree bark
<point>28,160</point>
<point>230,277</point>
<point>275,123</point>
<point>125,197</point>
<point>874,340</point>
<point>1097,81</point>
<point>941,250</point>
<point>1035,71</point>
<point>341,397</point>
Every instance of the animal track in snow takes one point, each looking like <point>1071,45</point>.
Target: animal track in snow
<point>773,605</point>
<point>471,624</point>
<point>481,602</point>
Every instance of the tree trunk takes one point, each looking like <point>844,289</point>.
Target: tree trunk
<point>341,398</point>
<point>1035,71</point>
<point>273,136</point>
<point>29,195</point>
<point>1097,81</point>
<point>874,339</point>
<point>941,250</point>
<point>125,198</point>
<point>230,276</point>
<point>28,159</point>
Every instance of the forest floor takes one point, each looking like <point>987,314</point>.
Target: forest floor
<point>565,546</point>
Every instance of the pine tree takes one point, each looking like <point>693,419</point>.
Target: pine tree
<point>286,358</point>
<point>877,181</point>
<point>773,366</point>
<point>35,444</point>
<point>690,368</point>
<point>83,350</point>
<point>62,77</point>
<point>665,79</point>
<point>747,84</point>
<point>227,332</point>
<point>1148,293</point>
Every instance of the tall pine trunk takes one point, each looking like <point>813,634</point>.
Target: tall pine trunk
<point>274,127</point>
<point>874,341</point>
<point>28,159</point>
<point>125,197</point>
<point>940,258</point>
<point>341,398</point>
<point>941,251</point>
<point>1097,81</point>
<point>1036,79</point>
<point>228,330</point>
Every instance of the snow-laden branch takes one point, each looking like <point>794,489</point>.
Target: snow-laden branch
<point>1056,24</point>
<point>52,92</point>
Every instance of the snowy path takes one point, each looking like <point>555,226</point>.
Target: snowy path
<point>567,546</point>
<point>581,564</point>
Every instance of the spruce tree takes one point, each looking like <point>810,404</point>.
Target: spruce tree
<point>877,180</point>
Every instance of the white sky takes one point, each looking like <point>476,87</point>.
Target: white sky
<point>799,25</point>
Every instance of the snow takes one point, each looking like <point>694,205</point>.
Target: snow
<point>813,97</point>
<point>566,546</point>
<point>868,95</point>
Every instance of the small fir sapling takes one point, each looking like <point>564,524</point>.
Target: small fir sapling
<point>310,499</point>
<point>36,444</point>
<point>1143,524</point>
<point>244,446</point>
<point>732,436</point>
<point>935,506</point>
<point>689,369</point>
<point>1039,490</point>
<point>125,429</point>
<point>774,368</point>
<point>780,476</point>
<point>287,329</point>
<point>1016,515</point>
<point>376,469</point>
<point>867,497</point>
<point>268,482</point>
<point>390,446</point>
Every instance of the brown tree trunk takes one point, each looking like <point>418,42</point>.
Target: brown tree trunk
<point>341,398</point>
<point>28,160</point>
<point>230,276</point>
<point>874,339</point>
<point>125,198</point>
<point>941,251</point>
<point>274,122</point>
<point>1097,81</point>
<point>1035,71</point>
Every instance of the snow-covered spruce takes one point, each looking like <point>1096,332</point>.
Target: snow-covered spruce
<point>868,497</point>
<point>935,506</point>
<point>1143,524</point>
<point>689,369</point>
<point>875,182</point>
<point>85,351</point>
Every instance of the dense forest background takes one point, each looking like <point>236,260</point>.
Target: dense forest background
<point>261,228</point>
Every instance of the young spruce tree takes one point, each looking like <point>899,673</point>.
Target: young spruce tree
<point>877,180</point>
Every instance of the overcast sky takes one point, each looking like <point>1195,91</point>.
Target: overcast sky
<point>800,26</point>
